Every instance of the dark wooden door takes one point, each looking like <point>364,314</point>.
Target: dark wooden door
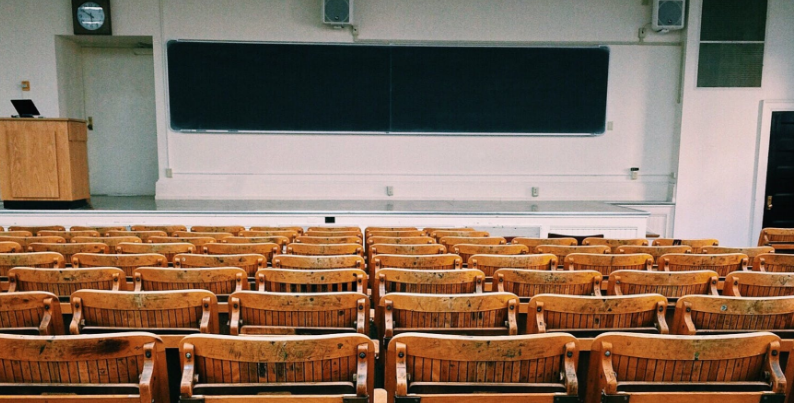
<point>779,196</point>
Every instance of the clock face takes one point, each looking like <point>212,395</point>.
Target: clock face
<point>91,16</point>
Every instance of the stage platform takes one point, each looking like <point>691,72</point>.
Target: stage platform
<point>502,218</point>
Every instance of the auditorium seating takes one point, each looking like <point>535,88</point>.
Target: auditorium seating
<point>102,230</point>
<point>451,241</point>
<point>758,284</point>
<point>67,250</point>
<point>561,251</point>
<point>528,283</point>
<point>369,230</point>
<point>68,235</point>
<point>533,243</point>
<point>328,239</point>
<point>25,241</point>
<point>222,281</point>
<point>219,236</point>
<point>29,259</point>
<point>143,234</point>
<point>404,249</point>
<point>128,263</point>
<point>63,282</point>
<point>281,241</point>
<point>489,264</point>
<point>266,249</point>
<point>298,230</point>
<point>318,262</point>
<point>10,247</point>
<point>463,281</point>
<point>35,229</point>
<point>438,234</point>
<point>708,314</point>
<point>414,262</point>
<point>772,262</point>
<point>169,250</point>
<point>654,251</point>
<point>395,232</point>
<point>20,233</point>
<point>250,262</point>
<point>694,243</point>
<point>722,264</point>
<point>307,249</point>
<point>315,233</point>
<point>778,238</point>
<point>750,251</point>
<point>466,250</point>
<point>615,243</point>
<point>31,313</point>
<point>232,229</point>
<point>672,284</point>
<point>197,241</point>
<point>289,234</point>
<point>606,264</point>
<point>169,229</point>
<point>309,281</point>
<point>111,241</point>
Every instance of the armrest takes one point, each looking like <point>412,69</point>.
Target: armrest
<point>145,385</point>
<point>608,382</point>
<point>661,323</point>
<point>77,316</point>
<point>361,371</point>
<point>188,370</point>
<point>362,317</point>
<point>206,309</point>
<point>569,370</point>
<point>776,377</point>
<point>512,324</point>
<point>401,387</point>
<point>46,319</point>
<point>234,317</point>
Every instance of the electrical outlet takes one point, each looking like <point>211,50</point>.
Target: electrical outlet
<point>535,191</point>
<point>389,190</point>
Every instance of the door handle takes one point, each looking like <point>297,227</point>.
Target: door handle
<point>769,203</point>
<point>90,124</point>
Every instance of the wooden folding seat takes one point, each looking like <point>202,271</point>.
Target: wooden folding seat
<point>533,243</point>
<point>722,264</point>
<point>102,230</point>
<point>307,249</point>
<point>614,243</point>
<point>446,261</point>
<point>489,314</point>
<point>641,368</point>
<point>35,229</point>
<point>128,263</point>
<point>328,239</point>
<point>221,281</point>
<point>771,262</point>
<point>253,312</point>
<point>606,264</point>
<point>67,250</point>
<point>709,314</point>
<point>219,236</point>
<point>250,262</point>
<point>199,242</point>
<point>337,368</point>
<point>467,250</point>
<point>694,243</point>
<point>509,369</point>
<point>6,234</point>
<point>397,233</point>
<point>655,251</point>
<point>266,249</point>
<point>145,235</point>
<point>334,233</point>
<point>297,229</point>
<point>367,230</point>
<point>489,264</point>
<point>170,314</point>
<point>281,241</point>
<point>528,283</point>
<point>672,285</point>
<point>111,241</point>
<point>309,281</point>
<point>169,250</point>
<point>298,262</point>
<point>169,229</point>
<point>31,259</point>
<point>451,241</point>
<point>463,281</point>
<point>442,233</point>
<point>751,251</point>
<point>63,282</point>
<point>398,240</point>
<point>778,238</point>
<point>584,316</point>
<point>290,235</point>
<point>758,284</point>
<point>31,313</point>
<point>232,229</point>
<point>68,235</point>
<point>118,368</point>
<point>430,230</point>
<point>10,247</point>
<point>562,251</point>
<point>334,228</point>
<point>25,241</point>
<point>404,249</point>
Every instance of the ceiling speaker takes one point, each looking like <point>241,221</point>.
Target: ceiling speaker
<point>668,15</point>
<point>338,12</point>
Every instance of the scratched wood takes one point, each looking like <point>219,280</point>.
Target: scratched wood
<point>561,251</point>
<point>750,251</point>
<point>315,233</point>
<point>211,234</point>
<point>297,229</point>
<point>198,242</point>
<point>615,243</point>
<point>63,282</point>
<point>126,262</point>
<point>528,283</point>
<point>669,284</point>
<point>489,264</point>
<point>542,366</point>
<point>101,229</point>
<point>290,234</point>
<point>533,243</point>
<point>310,281</point>
<point>431,248</point>
<point>31,313</point>
<point>299,262</point>
<point>779,238</point>
<point>266,249</point>
<point>111,241</point>
<point>169,250</point>
<point>694,243</point>
<point>221,281</point>
<point>758,284</point>
<point>401,240</point>
<point>395,232</point>
<point>68,235</point>
<point>145,235</point>
<point>669,366</point>
<point>35,229</point>
<point>334,228</point>
<point>463,281</point>
<point>369,230</point>
<point>305,365</point>
<point>438,234</point>
<point>307,249</point>
<point>15,233</point>
<point>67,250</point>
<point>654,251</point>
<point>25,241</point>
<point>232,229</point>
<point>30,259</point>
<point>770,262</point>
<point>281,241</point>
<point>10,247</point>
<point>169,229</point>
<point>721,263</point>
<point>466,250</point>
<point>328,239</point>
<point>250,262</point>
<point>451,241</point>
<point>704,314</point>
<point>446,261</point>
<point>253,312</point>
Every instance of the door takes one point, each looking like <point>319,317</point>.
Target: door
<point>779,211</point>
<point>119,97</point>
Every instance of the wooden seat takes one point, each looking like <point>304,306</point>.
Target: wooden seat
<point>221,281</point>
<point>400,240</point>
<point>35,229</point>
<point>396,233</point>
<point>281,241</point>
<point>615,243</point>
<point>654,251</point>
<point>6,234</point>
<point>169,250</point>
<point>709,314</point>
<point>266,249</point>
<point>694,243</point>
<point>199,242</point>
<point>111,241</point>
<point>489,264</point>
<point>528,283</point>
<point>466,251</point>
<point>722,264</point>
<point>584,316</point>
<point>297,262</point>
<point>489,314</point>
<point>31,313</point>
<point>778,238</point>
<point>451,241</point>
<point>307,249</point>
<point>464,233</point>
<point>67,250</point>
<point>128,263</point>
<point>219,236</point>
<point>404,249</point>
<point>328,239</point>
<point>118,368</point>
<point>640,368</point>
<point>672,285</point>
<point>232,229</point>
<point>169,229</point>
<point>562,251</point>
<point>771,262</point>
<point>430,230</point>
<point>25,241</point>
<point>463,281</point>
<point>308,281</point>
<point>170,314</point>
<point>368,230</point>
<point>102,230</point>
<point>250,262</point>
<point>751,251</point>
<point>253,312</point>
<point>63,282</point>
<point>297,229</point>
<point>30,259</point>
<point>289,234</point>
<point>315,369</point>
<point>335,228</point>
<point>10,247</point>
<point>446,261</point>
<point>145,235</point>
<point>606,264</point>
<point>758,284</point>
<point>68,235</point>
<point>315,233</point>
<point>510,369</point>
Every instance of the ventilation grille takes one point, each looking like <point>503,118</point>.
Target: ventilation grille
<point>336,11</point>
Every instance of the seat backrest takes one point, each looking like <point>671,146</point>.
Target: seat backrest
<point>289,234</point>
<point>758,284</point>
<point>606,264</point>
<point>143,234</point>
<point>296,229</point>
<point>450,241</point>
<point>405,232</point>
<point>438,234</point>
<point>528,283</point>
<point>533,243</point>
<point>315,233</point>
<point>615,243</point>
<point>10,247</point>
<point>489,264</point>
<point>670,368</point>
<point>266,249</point>
<point>29,259</point>
<point>705,314</point>
<point>562,251</point>
<point>232,229</point>
<point>20,233</point>
<point>35,229</point>
<point>31,313</point>
<point>335,228</point>
<point>102,230</point>
<point>722,263</point>
<point>221,281</point>
<point>68,235</point>
<point>773,236</point>
<point>751,251</point>
<point>169,229</point>
<point>253,312</point>
<point>318,262</point>
<point>307,249</point>
<point>25,241</point>
<point>694,243</point>
<point>169,312</point>
<point>466,250</point>
<point>463,281</point>
<point>217,235</point>
<point>169,250</point>
<point>128,263</point>
<point>400,240</point>
<point>671,284</point>
<point>588,316</point>
<point>531,367</point>
<point>278,240</point>
<point>309,281</point>
<point>369,230</point>
<point>67,250</point>
<point>250,262</point>
<point>339,365</point>
<point>111,241</point>
<point>772,262</point>
<point>654,251</point>
<point>404,249</point>
<point>446,261</point>
<point>96,368</point>
<point>328,239</point>
<point>63,282</point>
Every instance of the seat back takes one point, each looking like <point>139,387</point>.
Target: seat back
<point>219,236</point>
<point>722,263</point>
<point>466,250</point>
<point>128,263</point>
<point>250,262</point>
<point>328,239</point>
<point>281,241</point>
<point>289,234</point>
<point>102,230</point>
<point>63,282</point>
<point>198,242</point>
<point>606,264</point>
<point>779,238</point>
<point>654,251</point>
<point>528,283</point>
<point>67,250</point>
<point>111,241</point>
<point>758,284</point>
<point>776,263</point>
<point>266,249</point>
<point>335,228</point>
<point>143,234</point>
<point>316,233</point>
<point>25,241</point>
<point>35,229</point>
<point>400,240</point>
<point>307,249</point>
<point>463,281</point>
<point>253,312</point>
<point>68,235</point>
<point>694,243</point>
<point>318,262</point>
<point>405,232</point>
<point>751,251</point>
<point>309,281</point>
<point>221,281</point>
<point>169,250</point>
<point>450,241</point>
<point>296,229</point>
<point>10,247</point>
<point>615,243</point>
<point>31,313</point>
<point>533,243</point>
<point>489,264</point>
<point>588,316</point>
<point>232,229</point>
<point>438,234</point>
<point>30,259</point>
<point>446,261</point>
<point>369,230</point>
<point>708,314</point>
<point>670,284</point>
<point>169,229</point>
<point>562,251</point>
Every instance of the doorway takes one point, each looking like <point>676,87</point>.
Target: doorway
<point>779,194</point>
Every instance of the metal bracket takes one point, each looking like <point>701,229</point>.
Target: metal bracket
<point>566,399</point>
<point>614,398</point>
<point>355,399</point>
<point>776,398</point>
<point>407,399</point>
<point>195,399</point>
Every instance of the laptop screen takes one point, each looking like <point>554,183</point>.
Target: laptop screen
<point>25,107</point>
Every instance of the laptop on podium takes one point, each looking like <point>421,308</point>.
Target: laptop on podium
<point>25,108</point>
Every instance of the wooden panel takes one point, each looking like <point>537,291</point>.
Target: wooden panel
<point>33,161</point>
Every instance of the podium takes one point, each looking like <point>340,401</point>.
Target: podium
<point>43,163</point>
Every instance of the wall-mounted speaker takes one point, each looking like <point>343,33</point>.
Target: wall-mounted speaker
<point>668,15</point>
<point>338,12</point>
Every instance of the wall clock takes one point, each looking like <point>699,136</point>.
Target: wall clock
<point>91,17</point>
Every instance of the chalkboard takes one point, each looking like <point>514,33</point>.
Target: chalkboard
<point>386,89</point>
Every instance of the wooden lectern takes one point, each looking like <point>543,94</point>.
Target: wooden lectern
<point>43,163</point>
